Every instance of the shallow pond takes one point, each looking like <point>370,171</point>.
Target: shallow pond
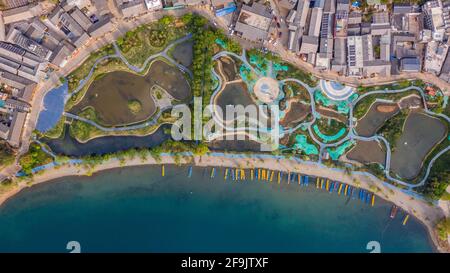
<point>229,68</point>
<point>234,94</point>
<point>111,94</point>
<point>103,145</point>
<point>182,53</point>
<point>420,134</point>
<point>377,115</point>
<point>298,111</point>
<point>367,152</point>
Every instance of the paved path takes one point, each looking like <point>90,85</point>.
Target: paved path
<point>351,135</point>
<point>280,50</point>
<point>136,69</point>
<point>132,67</point>
<point>148,123</point>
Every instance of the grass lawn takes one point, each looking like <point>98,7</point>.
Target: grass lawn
<point>138,44</point>
<point>363,106</point>
<point>33,158</point>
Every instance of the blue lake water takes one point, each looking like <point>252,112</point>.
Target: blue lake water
<point>53,108</point>
<point>136,210</point>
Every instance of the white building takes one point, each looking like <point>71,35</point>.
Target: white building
<point>153,4</point>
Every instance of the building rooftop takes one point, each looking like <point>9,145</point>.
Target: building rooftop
<point>310,44</point>
<point>253,22</point>
<point>80,18</point>
<point>410,64</point>
<point>131,8</point>
<point>16,37</point>
<point>19,14</point>
<point>101,27</point>
<point>18,120</point>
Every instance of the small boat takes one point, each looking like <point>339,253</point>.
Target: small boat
<point>373,200</point>
<point>271,176</point>
<point>306,180</point>
<point>237,174</point>
<point>242,174</point>
<point>190,172</point>
<point>299,178</point>
<point>340,188</point>
<point>345,190</point>
<point>289,178</point>
<point>367,197</point>
<point>336,186</point>
<point>330,190</point>
<point>394,210</point>
<point>405,219</point>
<point>327,186</point>
<point>232,175</point>
<point>213,172</point>
<point>226,174</point>
<point>252,174</point>
<point>259,174</point>
<point>279,177</point>
<point>317,183</point>
<point>162,170</point>
<point>352,192</point>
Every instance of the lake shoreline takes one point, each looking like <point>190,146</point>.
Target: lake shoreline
<point>427,214</point>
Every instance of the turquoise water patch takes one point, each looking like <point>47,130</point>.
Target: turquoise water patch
<point>221,43</point>
<point>335,153</point>
<point>327,138</point>
<point>301,143</point>
<point>337,85</point>
<point>342,106</point>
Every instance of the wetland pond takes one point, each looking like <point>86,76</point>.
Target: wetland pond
<point>420,134</point>
<point>112,94</point>
<point>377,115</point>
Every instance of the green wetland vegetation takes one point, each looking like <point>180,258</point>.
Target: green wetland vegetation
<point>197,53</point>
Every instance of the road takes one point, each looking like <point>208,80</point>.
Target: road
<point>351,135</point>
<point>122,26</point>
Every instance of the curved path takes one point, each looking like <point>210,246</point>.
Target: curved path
<point>351,135</point>
<point>136,69</point>
<point>151,122</point>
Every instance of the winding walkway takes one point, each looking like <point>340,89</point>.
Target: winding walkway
<point>351,135</point>
<point>136,69</point>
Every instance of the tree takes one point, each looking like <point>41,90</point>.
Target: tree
<point>443,228</point>
<point>166,21</point>
<point>187,18</point>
